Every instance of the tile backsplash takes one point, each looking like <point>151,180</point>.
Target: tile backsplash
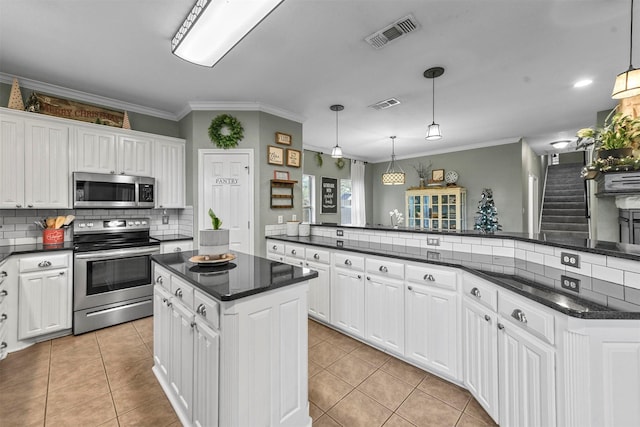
<point>17,225</point>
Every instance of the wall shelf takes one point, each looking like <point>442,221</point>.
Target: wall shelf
<point>282,193</point>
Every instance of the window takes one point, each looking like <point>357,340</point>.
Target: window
<point>345,201</point>
<point>308,198</point>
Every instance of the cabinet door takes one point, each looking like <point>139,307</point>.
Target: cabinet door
<point>44,303</point>
<point>527,378</point>
<point>347,301</point>
<point>134,156</point>
<point>95,151</point>
<point>480,356</point>
<point>319,291</point>
<point>46,178</point>
<point>432,328</point>
<point>182,339</point>
<point>11,162</point>
<point>162,330</point>
<point>207,358</point>
<point>169,171</point>
<point>384,310</point>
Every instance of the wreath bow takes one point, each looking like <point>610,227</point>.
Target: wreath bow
<point>234,128</point>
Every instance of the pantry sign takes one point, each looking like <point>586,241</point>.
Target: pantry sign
<point>59,107</point>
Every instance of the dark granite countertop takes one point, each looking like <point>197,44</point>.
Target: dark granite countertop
<point>8,250</point>
<point>480,265</point>
<point>246,275</point>
<point>620,250</point>
<point>171,237</point>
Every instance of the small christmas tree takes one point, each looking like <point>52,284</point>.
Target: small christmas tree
<point>15,97</point>
<point>487,220</point>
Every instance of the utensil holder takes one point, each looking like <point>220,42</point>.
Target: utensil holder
<point>52,236</point>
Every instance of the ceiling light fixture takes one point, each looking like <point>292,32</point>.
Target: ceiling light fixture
<point>393,176</point>
<point>433,131</point>
<point>559,145</point>
<point>213,28</point>
<point>628,83</point>
<point>582,83</point>
<point>336,152</point>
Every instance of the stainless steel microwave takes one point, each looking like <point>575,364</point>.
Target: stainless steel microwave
<point>100,190</point>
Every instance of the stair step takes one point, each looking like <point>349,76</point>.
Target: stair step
<point>562,211</point>
<point>562,192</point>
<point>560,235</point>
<point>572,219</point>
<point>561,226</point>
<point>563,198</point>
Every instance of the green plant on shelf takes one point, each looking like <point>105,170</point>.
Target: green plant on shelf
<point>216,222</point>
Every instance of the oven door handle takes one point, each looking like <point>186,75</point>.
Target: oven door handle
<point>118,253</point>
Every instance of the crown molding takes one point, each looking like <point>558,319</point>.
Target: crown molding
<point>239,106</point>
<point>86,97</point>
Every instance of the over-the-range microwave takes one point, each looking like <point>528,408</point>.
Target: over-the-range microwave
<point>100,190</point>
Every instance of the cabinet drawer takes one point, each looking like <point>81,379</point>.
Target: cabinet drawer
<point>480,291</point>
<point>43,262</point>
<point>179,246</point>
<point>294,251</point>
<point>275,247</point>
<point>317,255</point>
<point>385,267</point>
<point>182,291</point>
<point>432,276</point>
<point>161,277</point>
<point>348,261</point>
<point>527,315</point>
<point>207,308</point>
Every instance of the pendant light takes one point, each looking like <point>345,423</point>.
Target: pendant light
<point>393,176</point>
<point>628,83</point>
<point>336,152</point>
<point>433,131</point>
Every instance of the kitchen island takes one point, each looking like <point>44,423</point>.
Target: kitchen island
<point>230,340</point>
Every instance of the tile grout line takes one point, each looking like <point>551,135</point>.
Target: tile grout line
<point>104,367</point>
<point>46,399</point>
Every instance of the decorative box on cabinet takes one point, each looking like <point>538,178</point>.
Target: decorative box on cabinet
<point>436,208</point>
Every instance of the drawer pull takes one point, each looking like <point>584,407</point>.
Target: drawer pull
<point>159,280</point>
<point>3,317</point>
<point>274,247</point>
<point>202,310</point>
<point>178,293</point>
<point>293,251</point>
<point>519,315</point>
<point>383,268</point>
<point>487,317</point>
<point>359,276</point>
<point>500,326</point>
<point>368,278</point>
<point>178,249</point>
<point>316,256</point>
<point>61,273</point>
<point>193,325</point>
<point>475,292</point>
<point>3,345</point>
<point>44,264</point>
<point>347,262</point>
<point>3,274</point>
<point>3,293</point>
<point>429,277</point>
<point>410,288</point>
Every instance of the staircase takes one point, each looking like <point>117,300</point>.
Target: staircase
<point>563,209</point>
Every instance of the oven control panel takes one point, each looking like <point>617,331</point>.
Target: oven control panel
<point>106,225</point>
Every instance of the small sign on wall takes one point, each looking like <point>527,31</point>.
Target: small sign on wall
<point>329,195</point>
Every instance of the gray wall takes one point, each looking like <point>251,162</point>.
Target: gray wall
<point>536,166</point>
<point>498,168</point>
<point>329,170</point>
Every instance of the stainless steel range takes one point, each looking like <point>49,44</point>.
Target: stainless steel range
<point>112,277</point>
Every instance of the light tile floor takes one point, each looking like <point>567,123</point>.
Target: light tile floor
<point>104,378</point>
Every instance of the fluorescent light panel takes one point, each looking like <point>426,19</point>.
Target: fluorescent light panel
<point>214,27</point>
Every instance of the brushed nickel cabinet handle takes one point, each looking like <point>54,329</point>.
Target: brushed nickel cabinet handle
<point>383,269</point>
<point>347,262</point>
<point>519,315</point>
<point>500,326</point>
<point>475,292</point>
<point>178,293</point>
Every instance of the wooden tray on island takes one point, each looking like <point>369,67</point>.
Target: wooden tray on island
<point>212,259</point>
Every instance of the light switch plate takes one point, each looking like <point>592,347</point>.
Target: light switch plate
<point>572,260</point>
<point>433,241</point>
<point>280,219</point>
<point>570,283</point>
<point>433,255</point>
<point>339,243</point>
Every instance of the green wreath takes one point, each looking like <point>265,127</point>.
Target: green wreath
<point>340,163</point>
<point>226,140</point>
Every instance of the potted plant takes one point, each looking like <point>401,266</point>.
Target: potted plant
<point>616,139</point>
<point>216,241</point>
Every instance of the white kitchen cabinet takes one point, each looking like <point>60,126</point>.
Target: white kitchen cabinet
<point>34,156</point>
<point>275,250</point>
<point>176,246</point>
<point>135,155</point>
<point>44,297</point>
<point>480,355</point>
<point>4,312</point>
<point>527,378</point>
<point>206,361</point>
<point>182,355</point>
<point>319,291</point>
<point>347,301</point>
<point>162,326</point>
<point>169,171</point>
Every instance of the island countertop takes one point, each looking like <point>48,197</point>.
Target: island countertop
<point>244,276</point>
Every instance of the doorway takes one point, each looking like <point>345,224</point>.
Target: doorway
<point>533,205</point>
<point>225,184</point>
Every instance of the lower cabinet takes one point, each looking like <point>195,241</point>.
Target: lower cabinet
<point>319,292</point>
<point>205,381</point>
<point>182,350</point>
<point>347,301</point>
<point>384,313</point>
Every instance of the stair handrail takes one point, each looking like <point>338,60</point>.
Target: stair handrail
<point>544,191</point>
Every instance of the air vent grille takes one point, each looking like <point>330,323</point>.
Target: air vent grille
<point>398,29</point>
<point>387,103</point>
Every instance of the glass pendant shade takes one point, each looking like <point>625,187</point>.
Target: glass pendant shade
<point>433,132</point>
<point>336,153</point>
<point>627,84</point>
<point>394,174</point>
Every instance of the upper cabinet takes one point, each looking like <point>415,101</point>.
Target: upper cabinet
<point>169,170</point>
<point>34,163</point>
<point>106,152</point>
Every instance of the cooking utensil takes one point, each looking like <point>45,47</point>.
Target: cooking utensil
<point>59,221</point>
<point>69,219</point>
<point>39,224</point>
<point>50,222</point>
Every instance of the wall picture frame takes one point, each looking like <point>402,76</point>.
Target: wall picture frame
<point>275,155</point>
<point>437,175</point>
<point>281,175</point>
<point>294,157</point>
<point>283,138</point>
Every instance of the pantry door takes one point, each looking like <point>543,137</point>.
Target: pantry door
<point>226,186</point>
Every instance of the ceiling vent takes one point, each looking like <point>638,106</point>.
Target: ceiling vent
<point>398,29</point>
<point>387,103</point>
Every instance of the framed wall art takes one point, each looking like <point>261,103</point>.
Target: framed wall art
<point>294,157</point>
<point>275,155</point>
<point>283,138</point>
<point>282,175</point>
<point>437,175</point>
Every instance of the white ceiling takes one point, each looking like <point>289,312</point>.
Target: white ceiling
<point>510,65</point>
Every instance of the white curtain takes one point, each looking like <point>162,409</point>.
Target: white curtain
<point>358,216</point>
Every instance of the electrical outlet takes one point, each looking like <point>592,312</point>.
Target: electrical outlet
<point>433,241</point>
<point>294,217</point>
<point>570,283</point>
<point>432,255</point>
<point>165,219</point>
<point>339,233</point>
<point>280,219</point>
<point>339,243</point>
<point>572,260</point>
